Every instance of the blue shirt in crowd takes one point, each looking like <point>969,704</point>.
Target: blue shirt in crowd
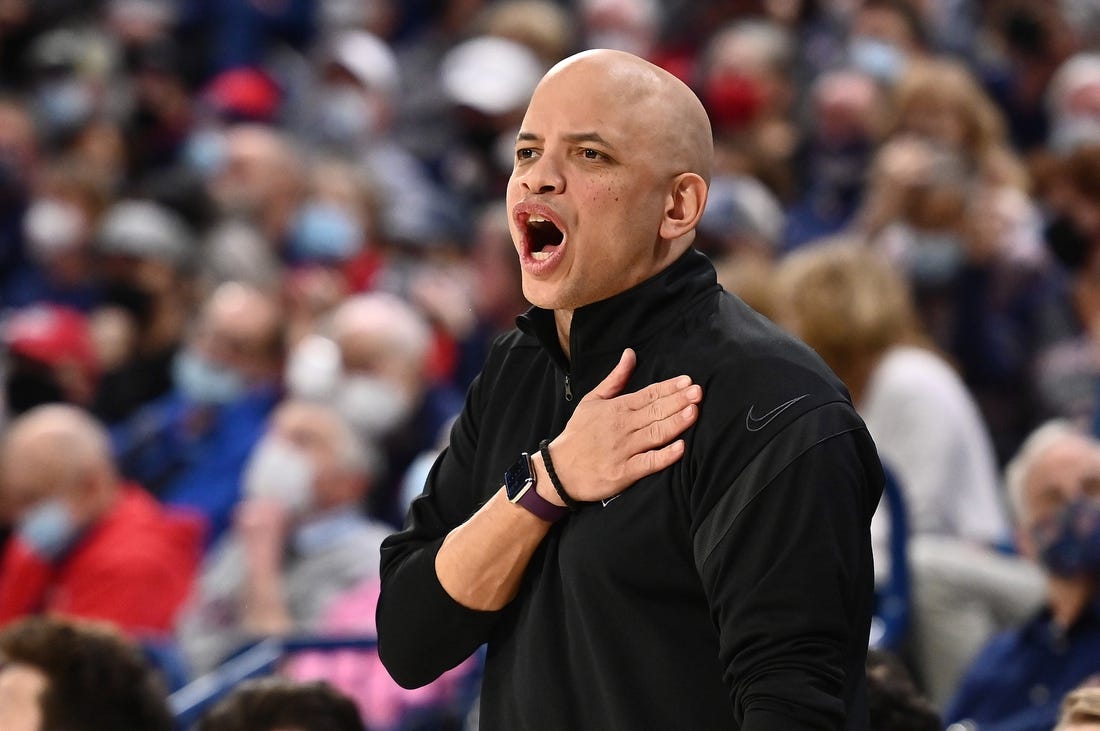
<point>1019,679</point>
<point>199,468</point>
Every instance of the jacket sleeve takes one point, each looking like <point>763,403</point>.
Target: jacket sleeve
<point>784,556</point>
<point>422,631</point>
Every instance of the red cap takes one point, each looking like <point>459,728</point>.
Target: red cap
<point>52,335</point>
<point>245,93</point>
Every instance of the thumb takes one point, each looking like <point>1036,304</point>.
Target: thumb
<point>615,381</point>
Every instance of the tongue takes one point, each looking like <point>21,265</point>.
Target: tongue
<point>545,251</point>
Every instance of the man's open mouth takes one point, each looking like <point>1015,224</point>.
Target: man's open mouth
<point>543,236</point>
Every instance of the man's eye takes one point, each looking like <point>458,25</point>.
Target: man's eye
<point>590,154</point>
<point>525,153</point>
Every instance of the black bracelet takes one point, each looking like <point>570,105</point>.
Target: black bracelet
<point>544,449</point>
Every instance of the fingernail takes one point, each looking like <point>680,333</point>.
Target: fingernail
<point>694,392</point>
<point>689,413</point>
<point>683,381</point>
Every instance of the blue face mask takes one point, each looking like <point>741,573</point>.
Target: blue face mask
<point>48,529</point>
<point>324,232</point>
<point>878,59</point>
<point>204,152</point>
<point>935,258</point>
<point>64,105</point>
<point>203,382</point>
<point>1069,544</point>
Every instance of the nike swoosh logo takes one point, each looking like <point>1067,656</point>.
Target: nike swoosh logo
<point>756,423</point>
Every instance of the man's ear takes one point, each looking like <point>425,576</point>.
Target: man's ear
<point>683,206</point>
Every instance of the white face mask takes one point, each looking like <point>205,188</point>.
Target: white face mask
<point>281,472</point>
<point>374,406</point>
<point>313,370</point>
<point>53,227</point>
<point>347,117</point>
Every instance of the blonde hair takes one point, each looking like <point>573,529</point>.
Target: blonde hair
<point>847,302</point>
<point>1080,706</point>
<point>949,83</point>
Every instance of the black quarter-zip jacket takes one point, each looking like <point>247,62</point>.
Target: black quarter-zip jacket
<point>732,590</point>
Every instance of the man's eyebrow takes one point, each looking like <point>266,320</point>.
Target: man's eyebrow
<point>586,137</point>
<point>573,138</point>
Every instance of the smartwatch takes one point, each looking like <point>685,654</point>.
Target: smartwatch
<point>519,485</point>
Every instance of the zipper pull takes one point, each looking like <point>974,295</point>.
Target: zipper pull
<point>568,389</point>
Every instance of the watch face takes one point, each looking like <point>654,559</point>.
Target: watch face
<point>518,477</point>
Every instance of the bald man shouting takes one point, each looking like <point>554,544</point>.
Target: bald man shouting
<point>654,507</point>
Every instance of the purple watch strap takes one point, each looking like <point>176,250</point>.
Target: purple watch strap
<point>540,506</point>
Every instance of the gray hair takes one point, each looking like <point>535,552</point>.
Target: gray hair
<point>1019,467</point>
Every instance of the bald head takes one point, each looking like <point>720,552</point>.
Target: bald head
<point>661,109</point>
<point>49,452</point>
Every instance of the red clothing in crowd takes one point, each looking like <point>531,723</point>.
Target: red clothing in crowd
<point>134,568</point>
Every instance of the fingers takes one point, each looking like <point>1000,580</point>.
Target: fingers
<point>616,380</point>
<point>661,432</point>
<point>647,463</point>
<point>644,398</point>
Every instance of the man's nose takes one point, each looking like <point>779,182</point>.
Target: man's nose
<point>544,176</point>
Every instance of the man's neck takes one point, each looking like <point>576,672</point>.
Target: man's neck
<point>1068,599</point>
<point>563,321</point>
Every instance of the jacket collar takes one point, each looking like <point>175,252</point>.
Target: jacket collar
<point>629,317</point>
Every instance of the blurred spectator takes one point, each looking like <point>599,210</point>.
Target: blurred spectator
<point>77,676</point>
<point>633,26</point>
<point>85,543</point>
<point>746,84</point>
<point>1073,103</point>
<point>948,205</point>
<point>189,447</point>
<point>893,701</point>
<point>297,539</point>
<point>544,26</point>
<point>1019,679</point>
<point>854,309</point>
<point>228,34</point>
<point>334,225</point>
<point>51,359</point>
<point>384,704</point>
<point>59,227</point>
<point>1066,370</point>
<point>846,108</point>
<point>69,74</point>
<point>353,117</point>
<point>370,362</point>
<point>740,231</point>
<point>278,704</point>
<point>885,36</point>
<point>1080,710</point>
<point>258,180</point>
<point>1025,44</point>
<point>489,80</point>
<point>146,252</point>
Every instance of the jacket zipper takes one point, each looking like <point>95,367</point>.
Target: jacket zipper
<point>568,388</point>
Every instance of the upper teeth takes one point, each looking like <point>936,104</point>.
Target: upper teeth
<point>536,218</point>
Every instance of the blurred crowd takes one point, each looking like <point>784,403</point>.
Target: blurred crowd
<point>253,252</point>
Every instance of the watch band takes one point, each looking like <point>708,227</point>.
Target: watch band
<point>519,485</point>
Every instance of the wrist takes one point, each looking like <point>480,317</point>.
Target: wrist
<point>543,485</point>
<point>559,489</point>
